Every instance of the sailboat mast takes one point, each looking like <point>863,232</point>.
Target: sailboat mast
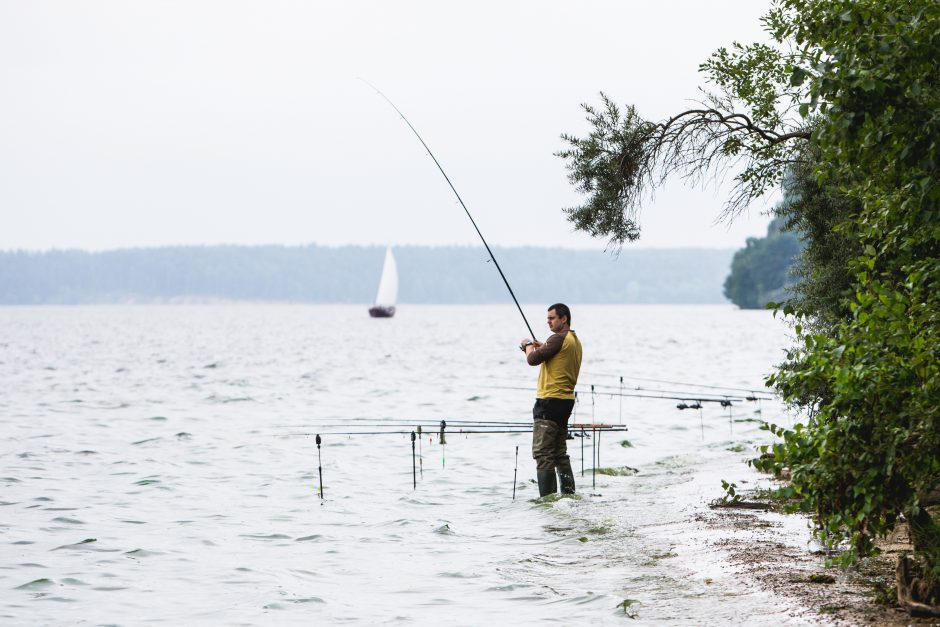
<point>387,294</point>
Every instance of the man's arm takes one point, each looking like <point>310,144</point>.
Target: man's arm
<point>537,353</point>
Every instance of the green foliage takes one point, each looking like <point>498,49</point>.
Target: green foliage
<point>861,74</point>
<point>745,125</point>
<point>814,221</point>
<point>823,216</point>
<point>755,76</point>
<point>731,492</point>
<point>607,165</point>
<point>871,446</point>
<point>760,272</point>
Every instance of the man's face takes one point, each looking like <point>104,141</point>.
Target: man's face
<point>554,322</point>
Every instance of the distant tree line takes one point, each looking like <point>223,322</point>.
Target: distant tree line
<point>350,274</point>
<point>762,271</point>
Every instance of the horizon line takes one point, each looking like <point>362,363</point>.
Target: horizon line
<point>626,247</point>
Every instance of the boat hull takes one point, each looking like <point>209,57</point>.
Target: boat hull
<point>380,311</point>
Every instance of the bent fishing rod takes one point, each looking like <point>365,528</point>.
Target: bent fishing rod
<point>462,204</point>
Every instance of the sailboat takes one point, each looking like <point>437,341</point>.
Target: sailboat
<point>384,306</point>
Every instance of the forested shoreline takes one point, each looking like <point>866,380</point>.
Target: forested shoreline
<point>350,274</point>
<point>838,108</point>
<point>762,271</point>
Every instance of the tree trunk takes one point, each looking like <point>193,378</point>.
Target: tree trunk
<point>918,575</point>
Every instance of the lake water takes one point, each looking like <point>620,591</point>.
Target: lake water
<point>158,465</point>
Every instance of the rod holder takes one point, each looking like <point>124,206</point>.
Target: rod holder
<point>320,466</point>
<point>420,453</point>
<point>443,441</point>
<point>414,470</point>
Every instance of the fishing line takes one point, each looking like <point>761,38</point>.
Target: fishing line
<point>592,404</point>
<point>683,394</point>
<point>722,401</point>
<point>683,383</point>
<point>691,394</point>
<point>595,442</point>
<point>598,436</point>
<point>593,462</point>
<point>620,409</point>
<point>583,434</point>
<point>713,395</point>
<point>467,211</point>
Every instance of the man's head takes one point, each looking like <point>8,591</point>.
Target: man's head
<point>559,317</point>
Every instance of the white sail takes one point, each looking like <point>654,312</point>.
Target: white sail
<point>388,284</point>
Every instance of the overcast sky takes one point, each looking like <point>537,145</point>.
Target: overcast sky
<point>127,123</point>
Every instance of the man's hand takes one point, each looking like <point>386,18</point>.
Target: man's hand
<point>527,345</point>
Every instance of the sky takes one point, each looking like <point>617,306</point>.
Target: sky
<point>180,122</point>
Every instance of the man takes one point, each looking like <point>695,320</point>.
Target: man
<point>559,358</point>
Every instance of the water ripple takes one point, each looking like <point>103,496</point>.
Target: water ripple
<point>155,426</point>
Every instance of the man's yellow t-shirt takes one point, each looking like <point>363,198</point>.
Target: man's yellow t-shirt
<point>560,359</point>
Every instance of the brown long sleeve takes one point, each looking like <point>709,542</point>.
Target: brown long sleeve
<point>547,350</point>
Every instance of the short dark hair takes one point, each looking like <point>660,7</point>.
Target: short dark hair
<point>561,309</point>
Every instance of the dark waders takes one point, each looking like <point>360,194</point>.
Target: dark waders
<point>550,447</point>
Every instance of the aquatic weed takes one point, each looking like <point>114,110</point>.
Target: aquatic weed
<point>622,471</point>
<point>628,609</point>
